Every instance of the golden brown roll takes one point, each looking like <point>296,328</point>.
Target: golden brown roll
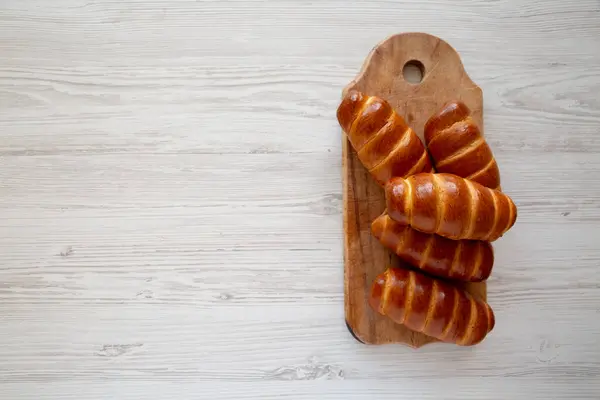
<point>457,146</point>
<point>385,144</point>
<point>433,307</point>
<point>464,260</point>
<point>450,206</point>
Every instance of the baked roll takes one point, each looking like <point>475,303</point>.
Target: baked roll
<point>385,144</point>
<point>457,146</point>
<point>450,206</point>
<point>433,307</point>
<point>462,260</point>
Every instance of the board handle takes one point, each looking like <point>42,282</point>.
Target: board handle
<point>437,61</point>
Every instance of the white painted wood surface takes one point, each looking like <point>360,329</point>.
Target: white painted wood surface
<point>170,190</point>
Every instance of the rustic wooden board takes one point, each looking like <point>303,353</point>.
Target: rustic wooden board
<point>444,79</point>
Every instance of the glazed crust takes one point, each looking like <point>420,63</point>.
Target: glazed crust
<point>463,260</point>
<point>431,306</point>
<point>450,206</point>
<point>457,146</point>
<point>385,144</point>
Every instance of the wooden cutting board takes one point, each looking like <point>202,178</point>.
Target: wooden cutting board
<point>444,79</point>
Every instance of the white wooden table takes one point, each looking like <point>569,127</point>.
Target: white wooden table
<point>170,191</point>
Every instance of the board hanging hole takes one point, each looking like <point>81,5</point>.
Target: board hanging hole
<point>413,72</point>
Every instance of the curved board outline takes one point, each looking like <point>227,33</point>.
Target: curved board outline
<point>444,79</point>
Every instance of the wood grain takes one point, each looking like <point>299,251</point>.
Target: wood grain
<point>444,80</point>
<point>171,200</point>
